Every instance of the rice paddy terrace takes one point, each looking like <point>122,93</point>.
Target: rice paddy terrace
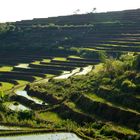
<point>47,71</point>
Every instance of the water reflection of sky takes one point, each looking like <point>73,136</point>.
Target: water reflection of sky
<point>24,94</point>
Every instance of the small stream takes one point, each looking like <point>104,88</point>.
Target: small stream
<point>49,136</point>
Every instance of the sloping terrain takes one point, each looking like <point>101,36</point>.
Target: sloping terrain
<point>77,73</point>
<point>86,36</point>
<point>104,104</point>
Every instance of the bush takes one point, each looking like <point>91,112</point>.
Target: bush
<point>136,62</point>
<point>106,81</point>
<point>106,131</point>
<point>128,86</point>
<point>25,115</point>
<point>97,125</point>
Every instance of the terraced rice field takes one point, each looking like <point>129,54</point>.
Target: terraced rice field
<point>48,73</point>
<point>36,69</point>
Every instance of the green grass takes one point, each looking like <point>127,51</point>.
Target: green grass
<point>6,86</point>
<point>73,56</point>
<point>37,78</point>
<point>36,62</point>
<point>97,68</point>
<point>20,88</point>
<point>137,96</point>
<point>49,75</point>
<point>60,58</point>
<point>121,129</point>
<point>46,60</point>
<point>89,49</point>
<point>102,100</point>
<point>6,68</point>
<point>50,116</point>
<point>22,82</point>
<point>96,98</point>
<point>71,104</point>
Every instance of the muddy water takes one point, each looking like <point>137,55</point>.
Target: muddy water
<point>49,136</point>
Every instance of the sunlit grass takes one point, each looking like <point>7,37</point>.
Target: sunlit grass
<point>6,68</point>
<point>36,62</point>
<point>71,104</point>
<point>6,86</point>
<point>37,78</point>
<point>46,60</point>
<point>89,49</point>
<point>20,88</point>
<point>22,82</point>
<point>137,96</point>
<point>121,129</point>
<point>74,56</point>
<point>60,58</point>
<point>49,116</point>
<point>95,97</point>
<point>49,75</point>
<point>98,68</point>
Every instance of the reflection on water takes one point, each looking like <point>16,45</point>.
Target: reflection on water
<point>76,71</point>
<point>24,94</point>
<point>54,136</point>
<point>18,107</point>
<point>85,70</point>
<point>65,76</point>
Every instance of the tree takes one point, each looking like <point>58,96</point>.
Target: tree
<point>94,10</point>
<point>77,11</point>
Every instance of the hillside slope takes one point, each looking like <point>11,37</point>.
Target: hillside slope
<point>78,73</point>
<point>102,104</point>
<point>113,32</point>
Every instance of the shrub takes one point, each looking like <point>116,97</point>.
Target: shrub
<point>106,80</point>
<point>128,85</point>
<point>25,115</point>
<point>137,78</point>
<point>136,62</point>
<point>97,125</point>
<point>106,131</point>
